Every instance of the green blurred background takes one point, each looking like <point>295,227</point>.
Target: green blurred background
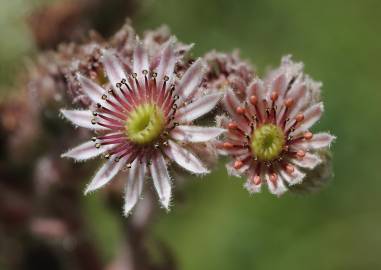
<point>219,225</point>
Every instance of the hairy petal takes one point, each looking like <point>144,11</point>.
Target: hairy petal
<point>198,108</point>
<point>140,60</point>
<point>91,89</point>
<point>277,189</point>
<point>295,177</point>
<point>320,140</point>
<point>195,133</point>
<point>311,116</point>
<point>185,158</point>
<point>309,161</point>
<point>81,118</point>
<point>167,61</point>
<point>114,69</point>
<point>161,179</point>
<point>191,80</point>
<point>134,187</point>
<point>86,151</point>
<point>105,174</point>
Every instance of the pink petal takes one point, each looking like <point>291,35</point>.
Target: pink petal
<point>91,89</point>
<point>231,103</point>
<point>251,187</point>
<point>257,88</point>
<point>320,140</point>
<point>86,151</point>
<point>198,108</point>
<point>167,61</point>
<point>309,161</point>
<point>295,177</point>
<point>81,118</point>
<point>236,172</point>
<point>140,60</point>
<point>114,69</point>
<point>191,80</point>
<point>278,189</point>
<point>298,93</point>
<point>311,116</point>
<point>161,179</point>
<point>195,133</point>
<point>134,187</point>
<point>185,158</point>
<point>279,85</point>
<point>105,174</point>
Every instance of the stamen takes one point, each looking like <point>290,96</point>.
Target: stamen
<point>308,135</point>
<point>289,168</point>
<point>274,96</point>
<point>300,154</point>
<point>238,164</point>
<point>257,180</point>
<point>253,100</point>
<point>228,145</point>
<point>299,117</point>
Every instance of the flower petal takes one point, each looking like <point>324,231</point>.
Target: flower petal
<point>320,140</point>
<point>161,179</point>
<point>295,177</point>
<point>105,174</point>
<point>277,189</point>
<point>198,108</point>
<point>231,103</point>
<point>185,158</point>
<point>86,151</point>
<point>114,69</point>
<point>309,161</point>
<point>195,133</point>
<point>140,60</point>
<point>191,80</point>
<point>91,89</point>
<point>134,187</point>
<point>257,88</point>
<point>251,187</point>
<point>311,116</point>
<point>81,118</point>
<point>167,61</point>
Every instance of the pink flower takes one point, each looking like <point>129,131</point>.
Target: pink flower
<point>269,137</point>
<point>144,121</point>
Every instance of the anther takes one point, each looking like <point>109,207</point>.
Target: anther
<point>165,143</point>
<point>107,156</point>
<point>288,103</point>
<point>228,145</point>
<point>95,113</point>
<point>99,105</point>
<point>157,145</point>
<point>145,72</point>
<point>253,100</point>
<point>273,178</point>
<point>154,74</point>
<point>94,139</point>
<point>117,159</point>
<point>128,166</point>
<point>299,117</point>
<point>308,135</point>
<point>300,154</point>
<point>97,145</point>
<point>240,110</point>
<point>232,125</point>
<point>93,121</point>
<point>238,164</point>
<point>274,96</point>
<point>166,78</point>
<point>134,75</point>
<point>118,85</point>
<point>111,91</point>
<point>289,169</point>
<point>256,180</point>
<point>104,96</point>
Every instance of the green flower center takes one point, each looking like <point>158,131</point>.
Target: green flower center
<point>145,124</point>
<point>267,142</point>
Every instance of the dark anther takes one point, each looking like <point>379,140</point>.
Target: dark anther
<point>104,97</point>
<point>117,159</point>
<point>166,78</point>
<point>107,156</point>
<point>154,75</point>
<point>99,105</point>
<point>93,121</point>
<point>119,85</point>
<point>95,113</point>
<point>145,72</point>
<point>176,97</point>
<point>134,75</point>
<point>97,145</point>
<point>94,139</point>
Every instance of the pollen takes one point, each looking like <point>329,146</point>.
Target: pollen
<point>267,142</point>
<point>145,124</point>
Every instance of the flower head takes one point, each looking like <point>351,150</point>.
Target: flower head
<point>144,120</point>
<point>269,137</point>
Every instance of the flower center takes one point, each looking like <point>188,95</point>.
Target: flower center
<point>267,142</point>
<point>145,124</point>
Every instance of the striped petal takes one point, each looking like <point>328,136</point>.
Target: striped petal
<point>86,151</point>
<point>161,179</point>
<point>105,174</point>
<point>231,103</point>
<point>140,60</point>
<point>195,133</point>
<point>191,80</point>
<point>311,116</point>
<point>134,187</point>
<point>81,118</point>
<point>185,158</point>
<point>114,69</point>
<point>309,161</point>
<point>278,188</point>
<point>198,108</point>
<point>91,89</point>
<point>293,178</point>
<point>167,61</point>
<point>320,140</point>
